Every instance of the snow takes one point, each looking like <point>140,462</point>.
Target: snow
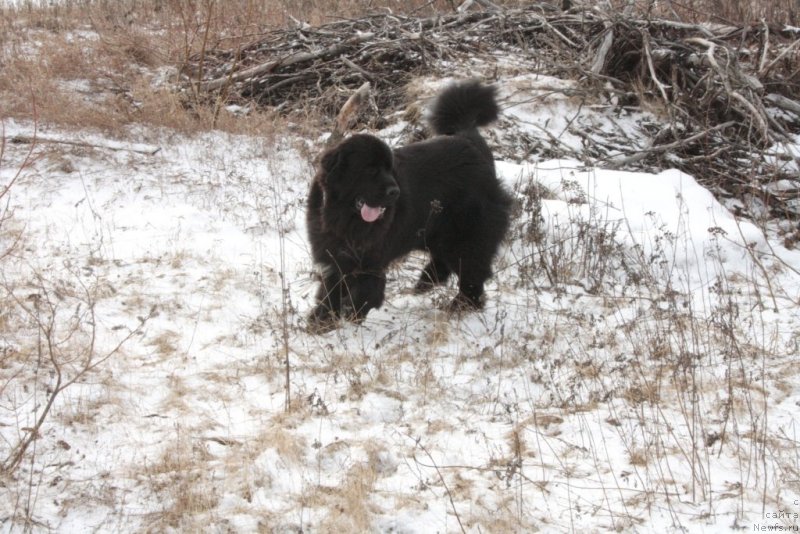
<point>670,202</point>
<point>634,368</point>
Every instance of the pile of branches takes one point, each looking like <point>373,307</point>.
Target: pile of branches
<point>729,94</point>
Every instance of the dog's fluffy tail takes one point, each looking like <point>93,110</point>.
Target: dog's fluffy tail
<point>462,107</point>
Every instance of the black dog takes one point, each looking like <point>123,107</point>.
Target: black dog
<point>369,206</point>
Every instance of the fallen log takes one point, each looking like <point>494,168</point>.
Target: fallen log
<point>108,144</point>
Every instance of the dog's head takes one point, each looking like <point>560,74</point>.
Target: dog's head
<point>358,177</point>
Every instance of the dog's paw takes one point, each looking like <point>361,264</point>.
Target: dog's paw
<point>463,304</point>
<point>321,320</point>
<point>424,285</point>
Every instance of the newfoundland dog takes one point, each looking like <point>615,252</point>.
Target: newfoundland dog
<point>370,205</point>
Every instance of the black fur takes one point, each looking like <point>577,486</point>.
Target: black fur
<point>439,195</point>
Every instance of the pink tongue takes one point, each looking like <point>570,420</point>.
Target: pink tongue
<point>370,214</point>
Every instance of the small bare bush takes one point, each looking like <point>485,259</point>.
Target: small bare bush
<point>51,344</point>
<point>50,339</point>
<point>9,239</point>
<point>584,249</point>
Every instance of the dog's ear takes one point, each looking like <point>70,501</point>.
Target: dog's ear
<point>330,160</point>
<point>331,163</point>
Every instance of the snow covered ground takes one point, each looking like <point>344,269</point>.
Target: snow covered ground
<point>635,368</point>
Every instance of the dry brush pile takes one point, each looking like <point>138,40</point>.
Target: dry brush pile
<point>728,95</point>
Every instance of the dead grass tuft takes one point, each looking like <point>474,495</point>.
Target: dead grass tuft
<point>182,481</point>
<point>166,343</point>
<point>349,503</point>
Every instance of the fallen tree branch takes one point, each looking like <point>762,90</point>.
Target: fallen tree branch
<point>348,114</point>
<point>642,154</point>
<point>139,148</point>
<point>785,52</point>
<point>283,62</point>
<point>786,104</point>
<point>754,113</point>
<point>600,58</point>
<point>653,75</point>
<point>483,3</point>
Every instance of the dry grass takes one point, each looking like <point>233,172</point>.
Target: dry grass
<point>349,502</point>
<point>721,11</point>
<point>121,56</point>
<point>183,485</point>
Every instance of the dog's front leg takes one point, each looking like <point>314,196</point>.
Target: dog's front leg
<point>366,293</point>
<point>350,296</point>
<point>330,303</point>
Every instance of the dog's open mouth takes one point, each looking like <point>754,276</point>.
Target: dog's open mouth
<point>369,213</point>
